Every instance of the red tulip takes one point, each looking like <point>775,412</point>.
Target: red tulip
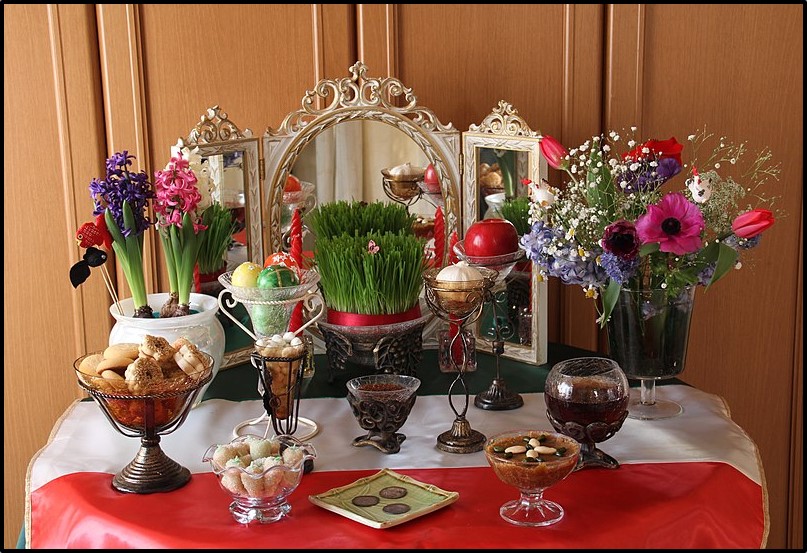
<point>662,148</point>
<point>751,223</point>
<point>554,152</point>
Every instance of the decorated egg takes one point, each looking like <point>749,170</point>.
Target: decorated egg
<point>285,259</point>
<point>459,272</point>
<point>277,276</point>
<point>246,275</point>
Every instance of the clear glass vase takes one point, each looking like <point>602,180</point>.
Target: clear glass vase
<point>648,333</point>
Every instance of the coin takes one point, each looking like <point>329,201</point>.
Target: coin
<point>365,500</point>
<point>396,508</point>
<point>392,492</point>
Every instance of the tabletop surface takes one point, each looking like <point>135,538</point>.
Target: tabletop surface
<point>692,481</point>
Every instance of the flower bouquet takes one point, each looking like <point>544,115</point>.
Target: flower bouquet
<point>643,249</point>
<point>615,225</point>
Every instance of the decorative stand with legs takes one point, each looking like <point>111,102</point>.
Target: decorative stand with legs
<point>459,303</point>
<point>497,397</point>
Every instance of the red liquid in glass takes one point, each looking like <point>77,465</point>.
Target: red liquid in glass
<point>588,402</point>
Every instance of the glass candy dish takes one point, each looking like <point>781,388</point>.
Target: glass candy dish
<point>260,474</point>
<point>532,461</point>
<point>147,410</point>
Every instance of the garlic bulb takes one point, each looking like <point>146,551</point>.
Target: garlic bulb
<point>459,272</point>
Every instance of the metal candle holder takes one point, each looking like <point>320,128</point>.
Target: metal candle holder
<point>497,397</point>
<point>459,303</point>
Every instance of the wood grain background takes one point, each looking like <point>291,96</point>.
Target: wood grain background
<point>83,81</point>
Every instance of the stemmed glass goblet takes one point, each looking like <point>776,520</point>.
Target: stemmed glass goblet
<point>532,461</point>
<point>587,399</point>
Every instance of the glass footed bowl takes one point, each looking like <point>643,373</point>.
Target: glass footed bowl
<point>503,264</point>
<point>457,299</point>
<point>518,459</point>
<point>127,403</point>
<point>260,474</point>
<point>246,295</point>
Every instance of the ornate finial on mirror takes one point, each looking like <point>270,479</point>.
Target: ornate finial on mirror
<point>504,120</point>
<point>500,154</point>
<point>226,162</point>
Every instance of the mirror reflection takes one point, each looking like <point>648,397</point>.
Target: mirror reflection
<point>345,162</point>
<point>500,173</point>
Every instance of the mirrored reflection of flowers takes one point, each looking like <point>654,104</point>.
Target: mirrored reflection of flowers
<point>617,224</point>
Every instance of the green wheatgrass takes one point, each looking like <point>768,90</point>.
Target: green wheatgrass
<point>354,280</point>
<point>517,211</point>
<point>357,218</point>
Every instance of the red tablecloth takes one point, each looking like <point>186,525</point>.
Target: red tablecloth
<point>625,508</point>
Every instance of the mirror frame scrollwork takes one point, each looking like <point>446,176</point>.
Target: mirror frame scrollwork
<point>215,134</point>
<point>503,128</point>
<point>359,97</point>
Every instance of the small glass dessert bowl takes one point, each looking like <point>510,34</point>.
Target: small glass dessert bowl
<point>532,461</point>
<point>260,474</point>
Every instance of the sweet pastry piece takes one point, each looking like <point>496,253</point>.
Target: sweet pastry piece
<point>231,479</point>
<point>89,364</point>
<point>288,350</point>
<point>157,348</point>
<point>188,358</point>
<point>259,447</point>
<point>142,374</point>
<point>129,350</point>
<point>273,479</point>
<point>117,364</point>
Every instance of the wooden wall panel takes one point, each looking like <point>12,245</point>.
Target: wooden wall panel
<point>254,61</point>
<point>721,66</point>
<point>53,137</point>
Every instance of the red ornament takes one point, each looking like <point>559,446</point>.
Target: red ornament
<point>430,180</point>
<point>490,237</point>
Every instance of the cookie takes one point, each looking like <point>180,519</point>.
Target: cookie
<point>365,500</point>
<point>90,363</point>
<point>143,373</point>
<point>121,350</point>
<point>157,348</point>
<point>118,364</point>
<point>396,508</point>
<point>392,492</point>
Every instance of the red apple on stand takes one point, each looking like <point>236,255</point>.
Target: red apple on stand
<point>490,237</point>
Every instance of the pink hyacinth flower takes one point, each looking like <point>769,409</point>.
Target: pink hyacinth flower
<point>675,223</point>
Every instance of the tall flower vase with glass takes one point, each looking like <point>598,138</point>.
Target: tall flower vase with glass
<point>641,250</point>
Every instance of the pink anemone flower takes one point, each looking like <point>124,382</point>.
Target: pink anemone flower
<point>675,223</point>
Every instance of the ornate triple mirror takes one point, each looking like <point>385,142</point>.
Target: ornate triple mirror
<point>225,160</point>
<point>499,154</point>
